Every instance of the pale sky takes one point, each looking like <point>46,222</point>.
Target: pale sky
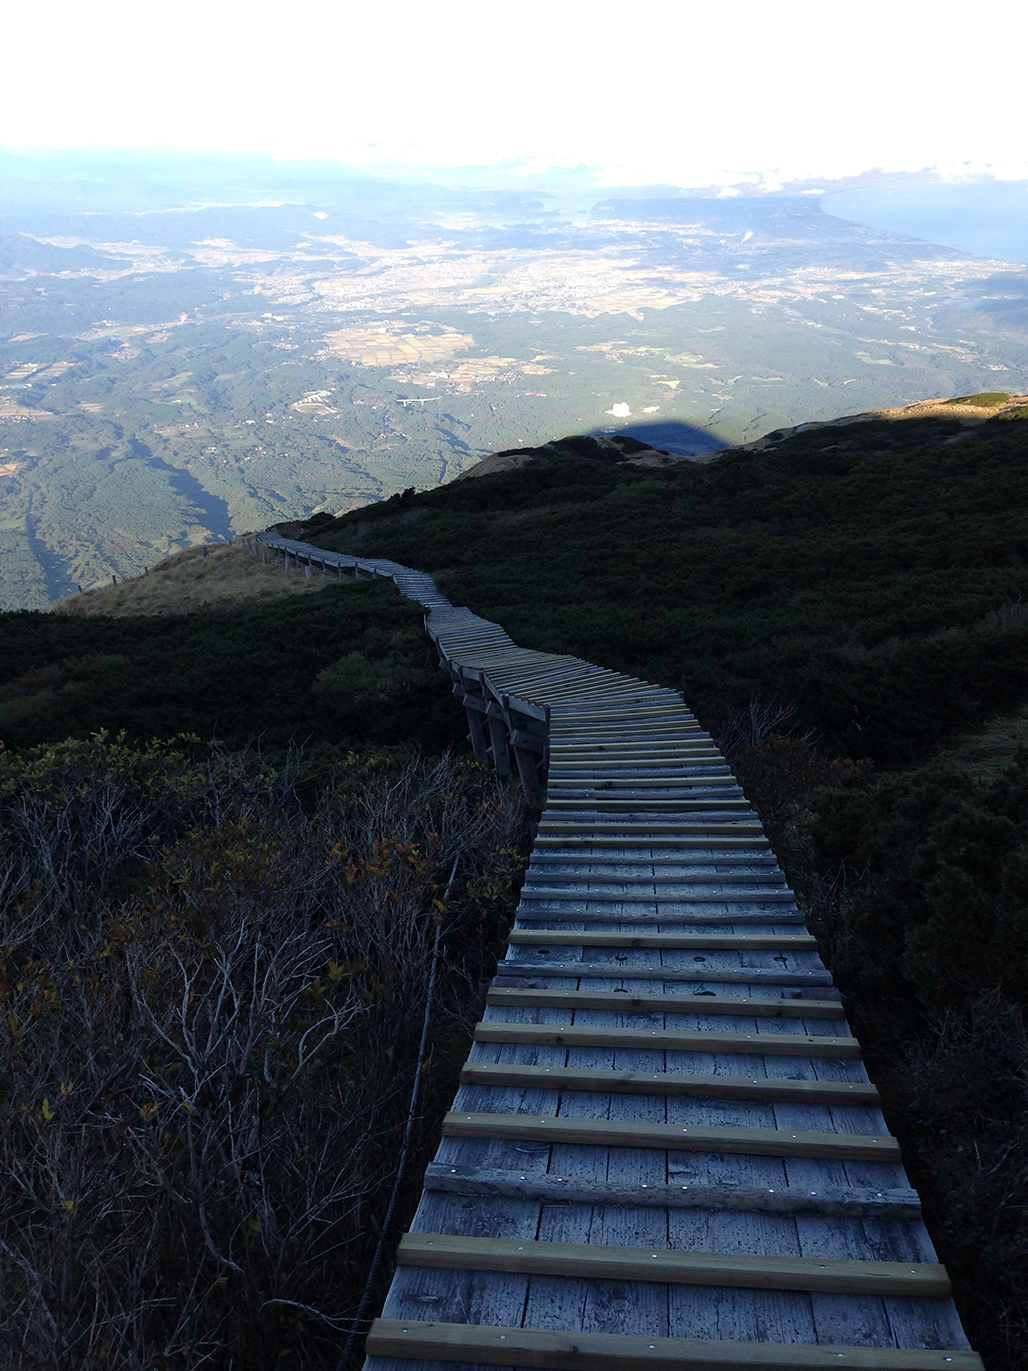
<point>648,91</point>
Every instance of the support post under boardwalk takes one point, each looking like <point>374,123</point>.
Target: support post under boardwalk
<point>528,773</point>
<point>476,734</point>
<point>498,741</point>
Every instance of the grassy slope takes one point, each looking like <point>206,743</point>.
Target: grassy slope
<point>842,575</point>
<point>227,577</point>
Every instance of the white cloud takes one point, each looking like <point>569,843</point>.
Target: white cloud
<point>619,411</point>
<point>697,94</point>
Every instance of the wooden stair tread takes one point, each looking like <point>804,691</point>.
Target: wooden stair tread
<point>668,1040</point>
<point>631,1003</point>
<point>674,1266</point>
<point>703,1085</point>
<point>758,942</point>
<point>672,1137</point>
<point>551,1350</point>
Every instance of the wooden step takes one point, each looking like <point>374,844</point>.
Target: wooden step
<point>668,1040</point>
<point>763,860</point>
<point>563,758</point>
<point>689,801</point>
<point>754,913</point>
<point>595,696</point>
<point>617,748</point>
<point>828,1201</point>
<point>618,742</point>
<point>614,751</point>
<point>672,1137</point>
<point>618,767</point>
<point>575,702</point>
<point>640,734</point>
<point>629,721</point>
<point>636,805</point>
<point>710,842</point>
<point>551,1350</point>
<point>611,971</point>
<point>731,828</point>
<point>546,894</point>
<point>670,1084</point>
<point>669,942</point>
<point>737,1270</point>
<point>652,783</point>
<point>619,1002</point>
<point>683,878</point>
<point>575,886</point>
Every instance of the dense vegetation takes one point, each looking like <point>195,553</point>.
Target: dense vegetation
<point>866,583</point>
<point>211,1000</point>
<point>841,570</point>
<point>349,665</point>
<point>215,957</point>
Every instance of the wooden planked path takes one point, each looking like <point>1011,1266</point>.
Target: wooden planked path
<point>665,1149</point>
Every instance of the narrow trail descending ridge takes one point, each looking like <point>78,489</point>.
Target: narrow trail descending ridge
<point>665,1150</point>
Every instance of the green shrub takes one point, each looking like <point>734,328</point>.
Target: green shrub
<point>986,399</point>
<point>937,873</point>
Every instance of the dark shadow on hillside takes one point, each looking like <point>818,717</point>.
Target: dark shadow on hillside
<point>211,510</point>
<point>681,440</point>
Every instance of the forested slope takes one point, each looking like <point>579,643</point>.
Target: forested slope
<point>345,666</point>
<point>840,570</point>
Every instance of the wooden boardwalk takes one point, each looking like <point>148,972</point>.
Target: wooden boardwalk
<point>665,1150</point>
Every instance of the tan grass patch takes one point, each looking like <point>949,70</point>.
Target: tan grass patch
<point>229,577</point>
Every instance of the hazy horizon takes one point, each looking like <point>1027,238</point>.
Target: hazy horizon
<point>670,95</point>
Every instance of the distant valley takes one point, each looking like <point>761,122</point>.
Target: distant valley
<point>173,373</point>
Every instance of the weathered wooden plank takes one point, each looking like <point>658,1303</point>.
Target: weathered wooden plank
<point>687,841</point>
<point>660,878</point>
<point>722,830</point>
<point>590,700</point>
<point>623,701</point>
<point>689,734</point>
<point>668,1039</point>
<point>668,1083</point>
<point>734,828</point>
<point>685,942</point>
<point>667,974</point>
<point>605,786</point>
<point>751,1272</point>
<point>661,752</point>
<point>628,1003</point>
<point>573,1351</point>
<point>706,914</point>
<point>846,1202</point>
<point>757,863</point>
<point>754,1142</point>
<point>686,895</point>
<point>634,763</point>
<point>645,731</point>
<point>474,1295</point>
<point>562,1302</point>
<point>634,805</point>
